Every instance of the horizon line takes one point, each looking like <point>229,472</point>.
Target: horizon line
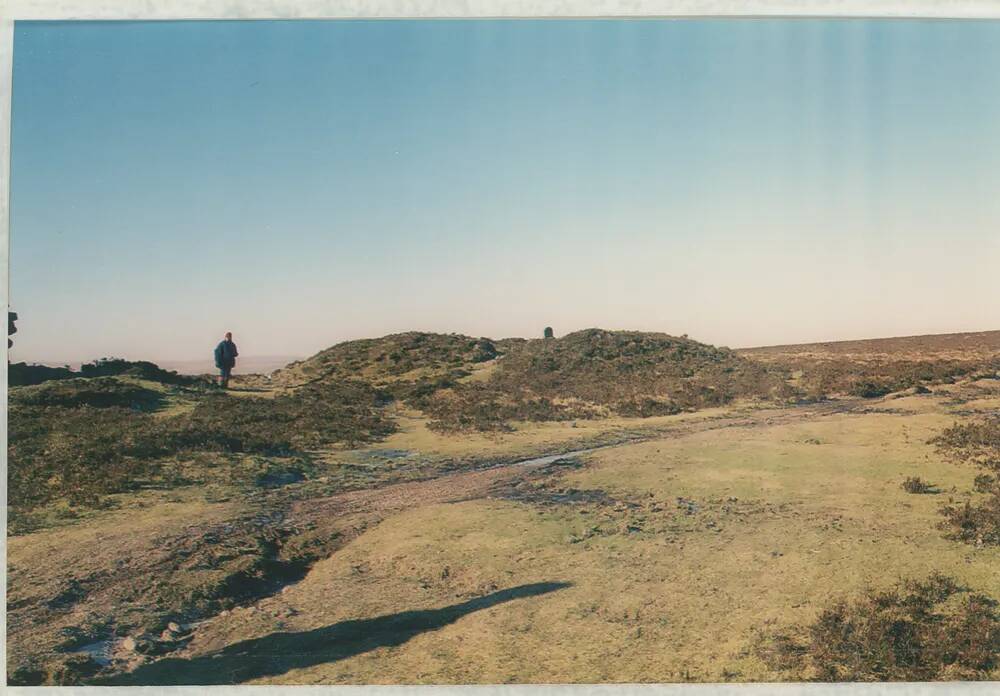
<point>293,358</point>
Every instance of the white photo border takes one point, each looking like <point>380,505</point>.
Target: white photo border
<point>114,10</point>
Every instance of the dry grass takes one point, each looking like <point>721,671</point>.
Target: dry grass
<point>702,540</point>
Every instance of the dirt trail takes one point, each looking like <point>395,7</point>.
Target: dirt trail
<point>355,511</point>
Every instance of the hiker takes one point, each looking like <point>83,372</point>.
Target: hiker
<point>225,359</point>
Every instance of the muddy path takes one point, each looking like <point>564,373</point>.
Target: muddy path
<point>371,505</point>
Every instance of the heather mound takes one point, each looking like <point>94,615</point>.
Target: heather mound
<point>595,372</point>
<point>413,355</point>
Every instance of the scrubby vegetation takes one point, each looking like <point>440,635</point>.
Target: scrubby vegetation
<point>141,369</point>
<point>977,443</point>
<point>483,407</point>
<point>345,412</point>
<point>917,631</point>
<point>22,374</point>
<point>102,392</point>
<point>874,378</point>
<point>876,367</point>
<point>379,360</point>
<point>914,484</point>
<point>75,452</point>
<point>81,439</point>
<point>586,374</point>
<point>592,373</point>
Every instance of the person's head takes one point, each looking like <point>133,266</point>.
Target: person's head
<point>229,335</point>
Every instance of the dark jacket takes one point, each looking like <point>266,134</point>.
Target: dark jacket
<point>225,354</point>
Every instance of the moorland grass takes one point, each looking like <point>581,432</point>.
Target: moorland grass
<point>82,439</point>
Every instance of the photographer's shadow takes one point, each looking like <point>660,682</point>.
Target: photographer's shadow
<point>278,653</point>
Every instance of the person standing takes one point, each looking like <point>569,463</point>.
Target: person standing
<point>225,359</point>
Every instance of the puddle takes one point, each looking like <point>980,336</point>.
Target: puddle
<point>552,458</point>
<point>100,651</point>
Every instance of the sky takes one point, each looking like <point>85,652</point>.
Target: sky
<point>745,182</point>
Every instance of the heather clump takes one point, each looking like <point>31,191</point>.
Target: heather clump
<point>916,631</point>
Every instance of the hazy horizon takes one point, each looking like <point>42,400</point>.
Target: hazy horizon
<point>247,362</point>
<point>745,182</point>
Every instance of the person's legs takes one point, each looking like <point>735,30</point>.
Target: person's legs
<point>224,377</point>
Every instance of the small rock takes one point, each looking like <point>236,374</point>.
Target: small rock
<point>173,627</point>
<point>136,644</point>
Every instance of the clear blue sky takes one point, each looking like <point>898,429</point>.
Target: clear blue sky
<point>302,183</point>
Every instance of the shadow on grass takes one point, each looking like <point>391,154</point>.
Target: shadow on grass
<point>278,653</point>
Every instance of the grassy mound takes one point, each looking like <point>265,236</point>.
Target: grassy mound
<point>386,359</point>
<point>619,366</point>
<point>917,631</point>
<point>586,374</point>
<point>595,372</point>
